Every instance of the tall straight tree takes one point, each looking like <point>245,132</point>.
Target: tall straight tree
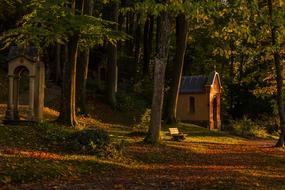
<point>279,76</point>
<point>87,9</point>
<point>147,42</point>
<point>68,106</point>
<point>160,61</point>
<point>112,71</point>
<point>181,44</point>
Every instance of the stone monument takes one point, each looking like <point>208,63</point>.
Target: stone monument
<point>20,60</point>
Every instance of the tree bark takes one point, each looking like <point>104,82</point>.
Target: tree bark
<point>112,73</point>
<point>58,72</point>
<point>279,80</point>
<point>160,60</point>
<point>147,42</point>
<point>68,110</point>
<point>83,66</point>
<point>231,84</point>
<point>181,44</point>
<point>137,39</point>
<point>67,114</point>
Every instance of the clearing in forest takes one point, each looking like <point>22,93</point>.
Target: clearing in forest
<point>205,160</point>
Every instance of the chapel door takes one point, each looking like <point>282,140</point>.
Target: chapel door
<point>215,112</point>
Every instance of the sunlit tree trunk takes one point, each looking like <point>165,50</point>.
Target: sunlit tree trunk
<point>68,110</point>
<point>67,114</point>
<point>82,67</point>
<point>279,79</point>
<point>160,61</point>
<point>181,44</point>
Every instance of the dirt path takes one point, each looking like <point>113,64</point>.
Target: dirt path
<point>251,164</point>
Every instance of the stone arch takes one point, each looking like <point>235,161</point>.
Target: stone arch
<point>16,66</point>
<point>21,62</point>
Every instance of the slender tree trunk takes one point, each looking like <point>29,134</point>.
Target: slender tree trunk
<point>147,42</point>
<point>160,61</point>
<point>279,80</point>
<point>240,76</point>
<point>58,72</point>
<point>137,40</point>
<point>181,44</point>
<point>231,89</point>
<point>130,29</point>
<point>83,66</point>
<point>112,73</point>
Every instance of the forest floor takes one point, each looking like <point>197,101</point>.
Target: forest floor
<point>204,160</point>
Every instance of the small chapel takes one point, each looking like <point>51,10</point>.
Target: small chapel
<point>199,100</point>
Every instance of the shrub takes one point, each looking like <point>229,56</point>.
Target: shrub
<point>127,100</point>
<point>89,141</point>
<point>51,134</point>
<point>271,123</point>
<point>144,88</point>
<point>144,122</point>
<point>247,128</point>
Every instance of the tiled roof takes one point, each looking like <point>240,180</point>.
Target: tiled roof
<point>196,84</point>
<point>192,84</point>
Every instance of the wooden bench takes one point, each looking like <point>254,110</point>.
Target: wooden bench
<point>176,135</point>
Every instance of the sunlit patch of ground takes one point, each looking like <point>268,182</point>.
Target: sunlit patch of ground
<point>205,160</point>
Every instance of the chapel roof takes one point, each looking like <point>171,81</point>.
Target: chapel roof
<point>197,84</point>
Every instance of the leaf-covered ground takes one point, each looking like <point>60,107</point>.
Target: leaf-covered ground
<point>205,160</point>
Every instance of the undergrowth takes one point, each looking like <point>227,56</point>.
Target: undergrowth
<point>246,127</point>
<point>49,151</point>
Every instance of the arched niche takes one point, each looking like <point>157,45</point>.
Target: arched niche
<point>20,60</point>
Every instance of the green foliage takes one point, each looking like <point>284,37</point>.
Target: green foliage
<point>95,142</point>
<point>125,101</point>
<point>245,127</point>
<point>52,22</point>
<point>129,100</point>
<point>144,122</point>
<point>144,88</point>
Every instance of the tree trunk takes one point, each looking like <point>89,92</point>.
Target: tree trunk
<point>112,73</point>
<point>68,110</point>
<point>281,112</point>
<point>130,26</point>
<point>181,44</point>
<point>231,84</point>
<point>279,80</point>
<point>58,72</point>
<point>137,40</point>
<point>67,114</point>
<point>147,42</point>
<point>83,66</point>
<point>160,60</point>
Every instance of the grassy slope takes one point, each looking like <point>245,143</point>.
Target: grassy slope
<point>204,160</point>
